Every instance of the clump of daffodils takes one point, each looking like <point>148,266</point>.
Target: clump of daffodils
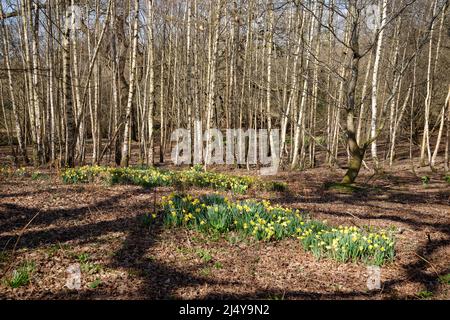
<point>152,177</point>
<point>84,174</point>
<point>266,222</point>
<point>145,177</point>
<point>213,180</point>
<point>6,171</point>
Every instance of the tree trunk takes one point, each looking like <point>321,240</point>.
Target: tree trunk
<point>301,110</point>
<point>376,68</point>
<point>212,59</point>
<point>356,152</point>
<point>447,144</point>
<point>441,132</point>
<point>426,131</point>
<point>67,79</point>
<point>132,87</point>
<point>151,84</point>
<point>19,131</point>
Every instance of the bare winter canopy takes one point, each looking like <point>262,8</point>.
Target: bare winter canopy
<point>83,81</point>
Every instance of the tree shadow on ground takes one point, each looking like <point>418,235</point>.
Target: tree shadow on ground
<point>163,281</point>
<point>159,280</point>
<point>415,271</point>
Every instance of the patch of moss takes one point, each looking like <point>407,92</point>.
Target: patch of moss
<point>342,187</point>
<point>425,295</point>
<point>445,279</point>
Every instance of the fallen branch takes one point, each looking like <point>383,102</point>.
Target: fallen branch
<point>431,265</point>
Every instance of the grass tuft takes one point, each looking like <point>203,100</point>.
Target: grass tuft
<point>425,295</point>
<point>204,255</point>
<point>94,285</point>
<point>445,279</point>
<point>21,276</point>
<point>426,180</point>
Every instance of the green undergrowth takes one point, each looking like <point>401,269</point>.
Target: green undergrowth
<point>342,187</point>
<point>447,178</point>
<point>21,276</point>
<point>351,188</point>
<point>153,177</point>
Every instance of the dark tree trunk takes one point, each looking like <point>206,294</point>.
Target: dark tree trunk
<point>356,152</point>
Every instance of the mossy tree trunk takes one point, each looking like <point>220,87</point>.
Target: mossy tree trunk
<point>356,152</point>
<point>355,164</point>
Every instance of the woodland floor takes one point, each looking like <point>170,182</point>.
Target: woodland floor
<point>137,262</point>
